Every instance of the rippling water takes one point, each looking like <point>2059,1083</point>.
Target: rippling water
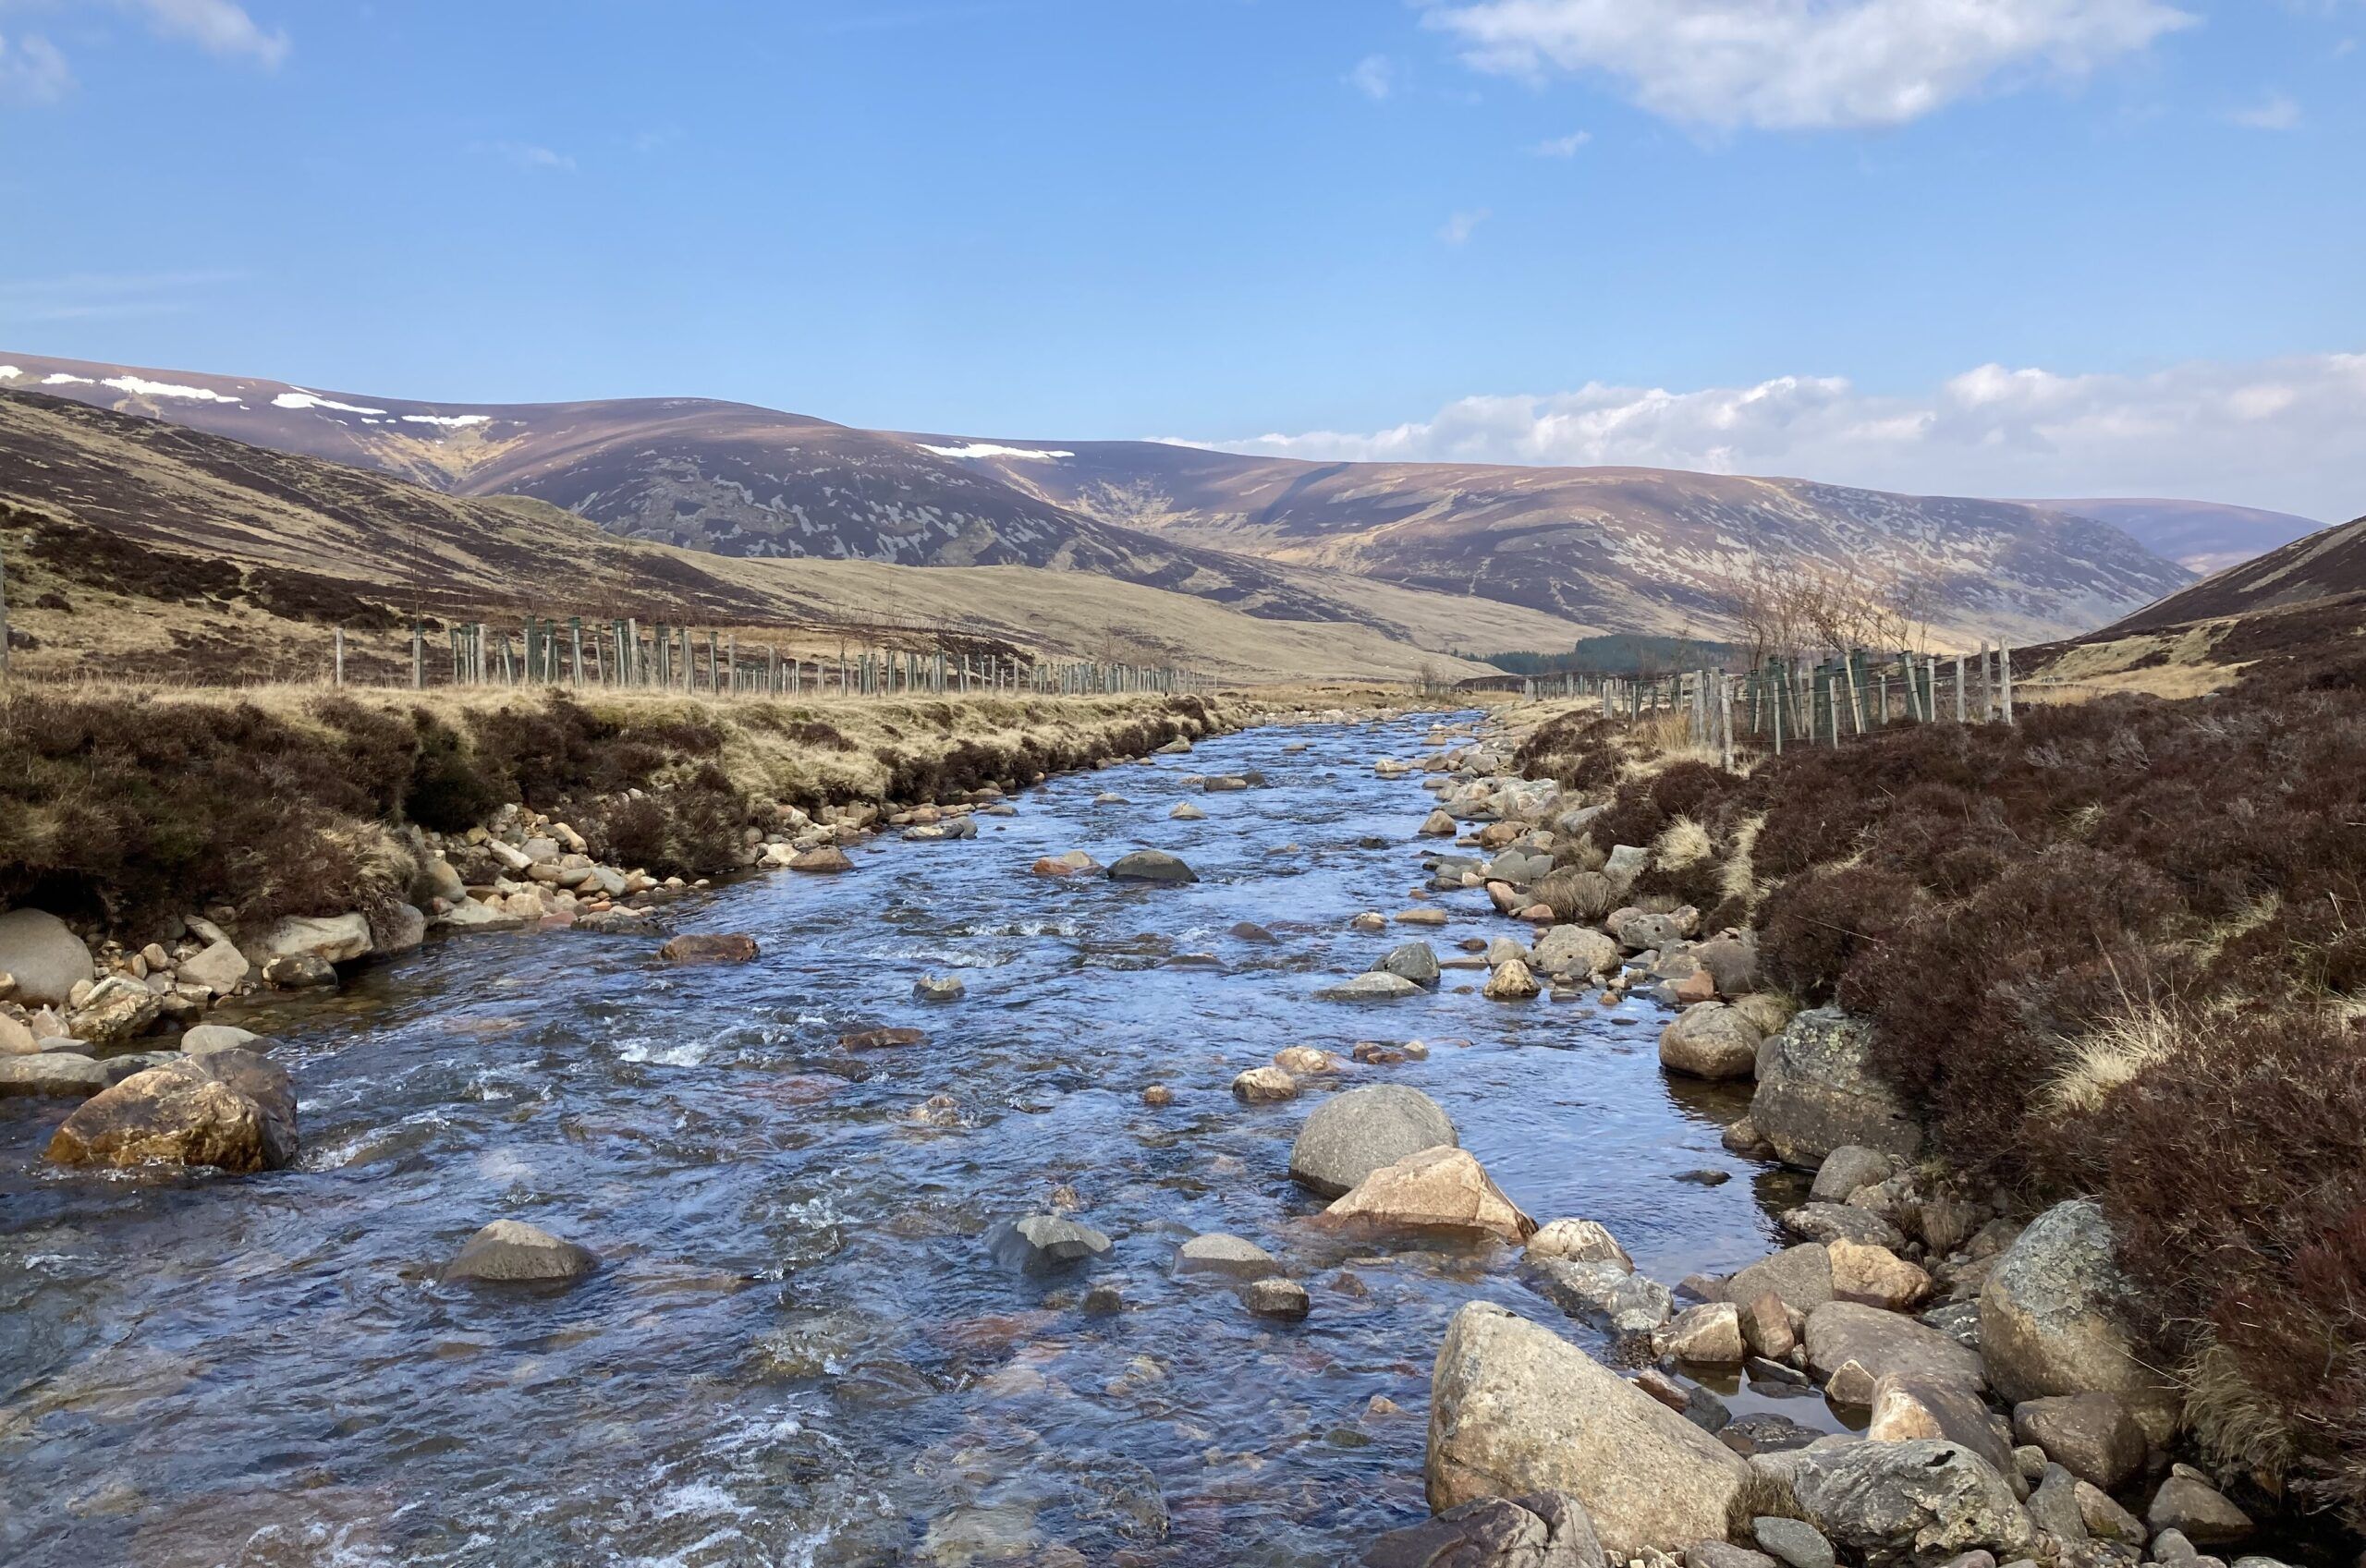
<point>797,1350</point>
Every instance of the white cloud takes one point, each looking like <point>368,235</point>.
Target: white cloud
<point>1801,64</point>
<point>528,157</point>
<point>218,27</point>
<point>32,71</point>
<point>1373,77</point>
<point>1563,146</point>
<point>2275,111</point>
<point>2288,434</point>
<point>1462,225</point>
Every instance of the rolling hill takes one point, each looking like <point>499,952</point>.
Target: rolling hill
<point>1571,551</point>
<point>2201,536</point>
<point>139,548</point>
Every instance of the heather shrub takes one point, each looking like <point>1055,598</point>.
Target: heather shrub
<point>1815,926</point>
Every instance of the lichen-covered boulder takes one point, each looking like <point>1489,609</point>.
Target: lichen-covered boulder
<point>1923,1502</point>
<point>230,1109</point>
<point>2050,1319</point>
<point>1817,1091</point>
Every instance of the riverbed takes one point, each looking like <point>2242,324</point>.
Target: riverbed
<point>797,1349</point>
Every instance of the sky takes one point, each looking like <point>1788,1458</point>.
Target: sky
<point>2027,248</point>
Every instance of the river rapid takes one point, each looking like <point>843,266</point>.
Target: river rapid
<point>797,1350</point>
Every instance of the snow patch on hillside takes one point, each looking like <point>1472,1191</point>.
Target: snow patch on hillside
<point>314,400</point>
<point>449,422</point>
<point>988,449</point>
<point>140,386</point>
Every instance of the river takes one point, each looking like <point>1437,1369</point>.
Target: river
<point>797,1350</point>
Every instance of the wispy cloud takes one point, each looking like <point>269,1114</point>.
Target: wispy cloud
<point>1462,225</point>
<point>218,27</point>
<point>2287,432</point>
<point>2275,111</point>
<point>1374,77</point>
<point>527,156</point>
<point>81,297</point>
<point>1563,146</point>
<point>32,71</point>
<point>1728,64</point>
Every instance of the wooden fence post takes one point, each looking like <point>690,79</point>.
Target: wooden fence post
<point>2004,679</point>
<point>338,637</point>
<point>418,656</point>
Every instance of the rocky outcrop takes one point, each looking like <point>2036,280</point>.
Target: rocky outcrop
<point>230,1109</point>
<point>1514,1409</point>
<point>2050,1319</point>
<point>1910,1502</point>
<point>1350,1136</point>
<point>1817,1091</point>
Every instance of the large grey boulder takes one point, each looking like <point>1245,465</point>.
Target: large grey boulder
<point>2094,1436</point>
<point>1917,1503</point>
<point>1516,1409</point>
<point>1216,1253</point>
<point>2050,1319</point>
<point>1817,1091</point>
<point>206,1038</point>
<point>331,938</point>
<point>1800,1276</point>
<point>1350,1136</point>
<point>511,1252</point>
<point>47,959</point>
<point>1412,960</point>
<point>1541,1530</point>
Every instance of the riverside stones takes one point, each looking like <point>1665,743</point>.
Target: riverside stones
<point>1278,1298</point>
<point>1153,867</point>
<point>1263,1086</point>
<point>1875,1276</point>
<point>219,967</point>
<point>1516,1409</point>
<point>1540,1530</point>
<point>1350,1136</point>
<point>1377,986</point>
<point>60,1074</point>
<point>118,1009</point>
<point>333,938</point>
<point>1578,1241</point>
<point>206,1038</point>
<point>1845,1169</point>
<point>1799,1276</point>
<point>1910,1502</point>
<point>710,947</point>
<point>1829,1222</point>
<point>2196,1510</point>
<point>230,1109</point>
<point>1854,1346</point>
<point>1709,1333</point>
<point>1710,1039</point>
<point>823,860</point>
<point>1575,950</point>
<point>47,960</point>
<point>1906,1407</point>
<point>1817,1091</point>
<point>1042,1243</point>
<point>511,1252</point>
<point>1609,1293</point>
<point>2049,1319</point>
<point>2094,1436</point>
<point>1440,1189</point>
<point>1512,982</point>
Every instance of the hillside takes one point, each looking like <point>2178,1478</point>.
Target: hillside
<point>2201,536</point>
<point>140,548</point>
<point>1586,550</point>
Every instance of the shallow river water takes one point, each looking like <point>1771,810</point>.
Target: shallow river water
<point>797,1349</point>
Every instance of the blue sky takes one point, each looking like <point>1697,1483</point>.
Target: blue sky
<point>2006,246</point>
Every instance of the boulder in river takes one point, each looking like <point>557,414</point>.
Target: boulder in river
<point>1512,982</point>
<point>1376,986</point>
<point>1440,823</point>
<point>1440,1190</point>
<point>47,960</point>
<point>512,1252</point>
<point>710,947</point>
<point>1608,1294</point>
<point>822,858</point>
<point>230,1109</point>
<point>1350,1136</point>
<point>1924,1501</point>
<point>334,939</point>
<point>1278,1298</point>
<point>1578,951</point>
<point>1262,1086</point>
<point>2050,1319</point>
<point>206,1038</point>
<point>880,1040</point>
<point>1541,1530</point>
<point>1186,812</point>
<point>1817,1091</point>
<point>1232,1257</point>
<point>1150,866</point>
<point>1042,1244</point>
<point>1516,1409</point>
<point>59,1075</point>
<point>1413,961</point>
<point>1710,1039</point>
<point>1578,1241</point>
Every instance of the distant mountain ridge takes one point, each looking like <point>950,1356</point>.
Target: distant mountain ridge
<point>1579,551</point>
<point>2201,536</point>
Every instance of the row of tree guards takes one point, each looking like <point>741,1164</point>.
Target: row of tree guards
<point>1809,702</point>
<point>622,655</point>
